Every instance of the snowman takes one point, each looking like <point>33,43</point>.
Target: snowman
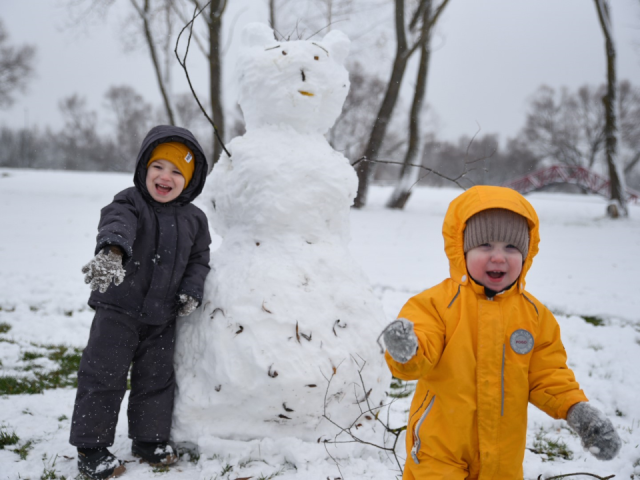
<point>284,343</point>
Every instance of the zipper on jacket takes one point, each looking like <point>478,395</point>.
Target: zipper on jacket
<point>504,347</point>
<point>416,431</point>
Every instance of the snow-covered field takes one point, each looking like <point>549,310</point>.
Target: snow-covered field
<point>587,267</point>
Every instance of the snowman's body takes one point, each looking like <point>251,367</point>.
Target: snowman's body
<point>286,309</point>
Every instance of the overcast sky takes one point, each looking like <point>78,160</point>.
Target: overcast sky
<point>489,57</point>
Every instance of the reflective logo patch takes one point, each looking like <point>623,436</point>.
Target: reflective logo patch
<point>521,341</point>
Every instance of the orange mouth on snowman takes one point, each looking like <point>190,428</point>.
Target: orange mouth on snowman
<point>305,93</point>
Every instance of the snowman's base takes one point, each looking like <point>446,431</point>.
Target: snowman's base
<point>292,459</point>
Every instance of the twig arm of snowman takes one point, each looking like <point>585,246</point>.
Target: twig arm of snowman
<point>183,63</point>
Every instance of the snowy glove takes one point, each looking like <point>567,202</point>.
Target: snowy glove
<point>104,268</point>
<point>400,340</point>
<point>187,304</point>
<point>596,431</point>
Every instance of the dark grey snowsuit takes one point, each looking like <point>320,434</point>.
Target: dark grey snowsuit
<point>166,253</point>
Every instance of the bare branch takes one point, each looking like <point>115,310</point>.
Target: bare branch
<point>574,475</point>
<point>430,170</point>
<point>370,414</point>
<point>183,64</point>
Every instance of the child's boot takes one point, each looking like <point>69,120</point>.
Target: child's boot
<point>99,463</point>
<point>155,453</point>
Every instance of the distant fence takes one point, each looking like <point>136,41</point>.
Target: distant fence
<point>572,175</point>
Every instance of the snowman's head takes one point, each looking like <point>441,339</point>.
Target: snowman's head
<point>300,83</point>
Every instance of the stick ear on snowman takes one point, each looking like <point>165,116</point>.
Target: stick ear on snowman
<point>335,43</point>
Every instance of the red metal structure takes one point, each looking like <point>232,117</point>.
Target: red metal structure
<point>574,175</point>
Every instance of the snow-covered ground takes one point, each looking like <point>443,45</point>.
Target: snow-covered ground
<point>587,267</point>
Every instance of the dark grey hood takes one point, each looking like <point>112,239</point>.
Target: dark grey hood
<point>170,133</point>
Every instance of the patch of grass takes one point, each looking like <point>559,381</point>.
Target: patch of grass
<point>595,321</point>
<point>619,413</point>
<point>401,389</point>
<point>7,438</point>
<point>551,448</point>
<point>4,327</point>
<point>24,450</point>
<point>28,356</point>
<point>68,360</point>
<point>18,386</point>
<point>161,469</point>
<point>226,469</point>
<point>273,475</point>
<point>62,418</point>
<point>50,473</point>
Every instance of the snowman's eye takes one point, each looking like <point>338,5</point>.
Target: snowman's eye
<point>316,58</point>
<point>284,52</point>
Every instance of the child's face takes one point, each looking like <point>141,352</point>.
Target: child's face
<point>164,181</point>
<point>495,265</point>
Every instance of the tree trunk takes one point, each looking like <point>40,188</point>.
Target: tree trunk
<point>144,15</point>
<point>272,15</point>
<point>215,73</point>
<point>386,109</point>
<point>618,203</point>
<point>409,175</point>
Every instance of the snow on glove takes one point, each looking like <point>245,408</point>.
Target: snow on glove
<point>596,431</point>
<point>188,304</point>
<point>104,268</point>
<point>400,340</point>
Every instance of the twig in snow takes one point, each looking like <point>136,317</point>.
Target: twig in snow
<point>575,474</point>
<point>369,413</point>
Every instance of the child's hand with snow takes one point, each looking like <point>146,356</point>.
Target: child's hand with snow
<point>400,340</point>
<point>187,304</point>
<point>104,268</point>
<point>596,431</point>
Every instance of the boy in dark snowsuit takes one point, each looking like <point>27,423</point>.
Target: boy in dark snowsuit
<point>153,244</point>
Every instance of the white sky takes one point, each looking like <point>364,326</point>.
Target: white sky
<point>490,56</point>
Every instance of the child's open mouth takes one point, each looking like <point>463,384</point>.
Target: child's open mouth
<point>496,275</point>
<point>162,189</point>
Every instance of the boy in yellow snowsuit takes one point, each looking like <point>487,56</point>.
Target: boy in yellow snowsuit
<point>481,348</point>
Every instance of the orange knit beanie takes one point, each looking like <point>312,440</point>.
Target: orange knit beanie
<point>178,154</point>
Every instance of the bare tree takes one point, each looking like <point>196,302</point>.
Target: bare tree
<point>79,143</point>
<point>350,131</point>
<point>404,51</point>
<point>569,129</point>
<point>618,201</point>
<point>212,14</point>
<point>569,126</point>
<point>16,68</point>
<point>629,115</point>
<point>132,121</point>
<point>409,174</point>
<point>146,14</point>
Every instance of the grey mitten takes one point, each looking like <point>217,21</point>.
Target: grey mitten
<point>400,340</point>
<point>104,268</point>
<point>187,304</point>
<point>596,431</point>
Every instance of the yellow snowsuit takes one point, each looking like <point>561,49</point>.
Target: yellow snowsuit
<point>479,362</point>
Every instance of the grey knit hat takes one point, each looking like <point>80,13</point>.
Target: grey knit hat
<point>497,225</point>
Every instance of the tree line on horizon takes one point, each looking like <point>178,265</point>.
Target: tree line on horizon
<point>381,132</point>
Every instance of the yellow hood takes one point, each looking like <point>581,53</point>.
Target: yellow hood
<point>475,200</point>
